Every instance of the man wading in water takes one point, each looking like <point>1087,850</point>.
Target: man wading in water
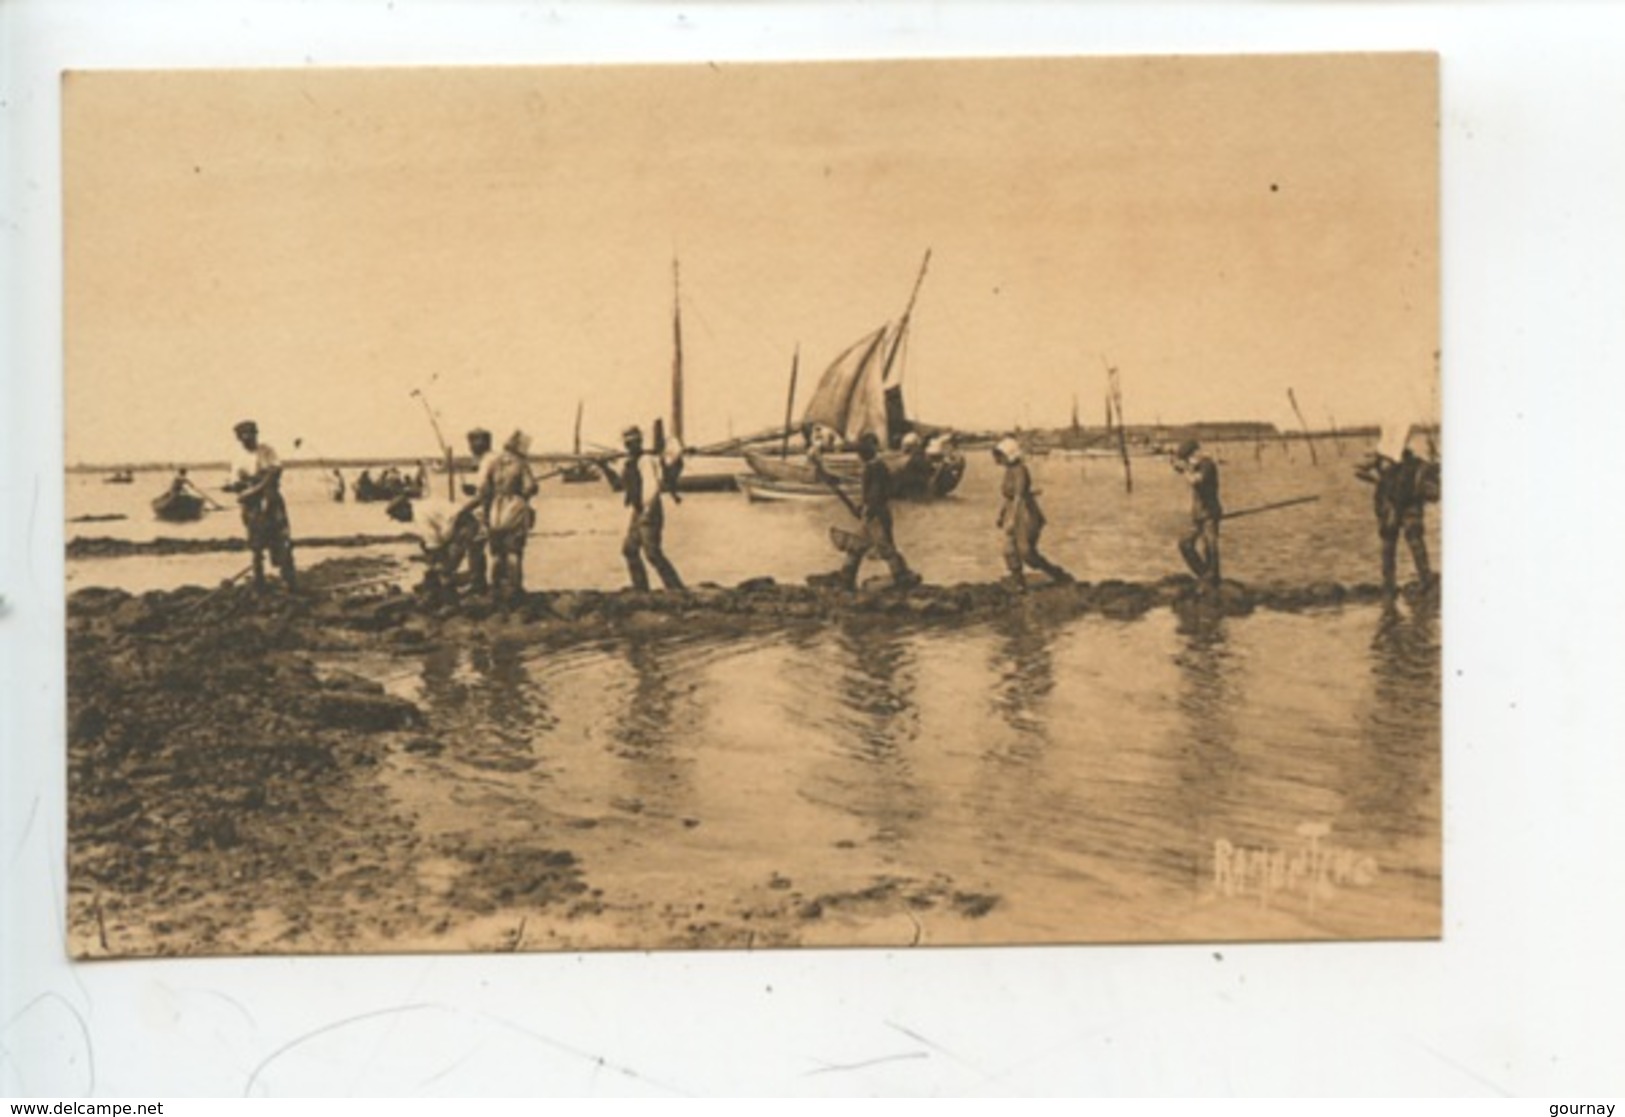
<point>256,478</point>
<point>1200,547</point>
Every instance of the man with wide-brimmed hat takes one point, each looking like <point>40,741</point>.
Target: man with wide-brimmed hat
<point>1200,547</point>
<point>256,478</point>
<point>643,481</point>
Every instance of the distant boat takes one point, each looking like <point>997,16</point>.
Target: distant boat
<point>178,507</point>
<point>369,489</point>
<point>579,471</point>
<point>120,477</point>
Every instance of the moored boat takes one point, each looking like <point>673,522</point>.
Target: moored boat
<point>764,490</point>
<point>861,393</point>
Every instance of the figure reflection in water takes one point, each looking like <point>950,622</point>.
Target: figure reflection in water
<point>1019,807</point>
<point>653,719</point>
<point>1394,789</point>
<point>876,692</point>
<point>497,716</point>
<point>1025,669</point>
<point>1209,692</point>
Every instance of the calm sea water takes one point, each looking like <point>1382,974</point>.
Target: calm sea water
<point>1167,777</point>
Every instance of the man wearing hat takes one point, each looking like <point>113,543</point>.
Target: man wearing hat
<point>643,480</point>
<point>1200,547</point>
<point>256,478</point>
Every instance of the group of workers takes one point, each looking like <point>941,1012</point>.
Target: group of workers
<point>486,530</point>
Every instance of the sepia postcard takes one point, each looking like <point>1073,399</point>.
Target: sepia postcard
<point>753,506</point>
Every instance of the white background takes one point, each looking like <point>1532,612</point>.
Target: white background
<point>1523,996</point>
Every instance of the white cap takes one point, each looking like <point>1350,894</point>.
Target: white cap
<point>1394,437</point>
<point>1009,449</point>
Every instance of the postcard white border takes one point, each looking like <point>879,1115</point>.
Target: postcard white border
<point>1523,995</point>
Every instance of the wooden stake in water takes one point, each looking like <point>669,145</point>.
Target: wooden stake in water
<point>1115,400</point>
<point>1292,398</point>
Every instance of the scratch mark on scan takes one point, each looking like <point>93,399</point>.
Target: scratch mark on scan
<point>598,1061</point>
<point>78,1018</point>
<point>841,1068</point>
<point>253,1078</point>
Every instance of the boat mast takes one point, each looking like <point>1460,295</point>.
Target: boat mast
<point>577,447</point>
<point>902,330</point>
<point>790,404</point>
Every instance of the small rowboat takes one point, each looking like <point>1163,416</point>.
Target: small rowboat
<point>178,508</point>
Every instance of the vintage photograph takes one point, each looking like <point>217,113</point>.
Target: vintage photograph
<point>751,506</point>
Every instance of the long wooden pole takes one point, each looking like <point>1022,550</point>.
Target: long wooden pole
<point>1115,397</point>
<point>1297,500</point>
<point>790,404</point>
<point>451,461</point>
<point>1292,398</point>
<point>677,354</point>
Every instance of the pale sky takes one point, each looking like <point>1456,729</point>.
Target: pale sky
<point>307,247</point>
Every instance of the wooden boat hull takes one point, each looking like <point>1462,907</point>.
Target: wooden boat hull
<point>927,478</point>
<point>708,483</point>
<point>370,491</point>
<point>178,508</point>
<point>763,490</point>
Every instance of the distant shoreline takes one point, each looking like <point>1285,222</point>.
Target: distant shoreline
<point>1041,437</point>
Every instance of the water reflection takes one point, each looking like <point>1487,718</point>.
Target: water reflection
<point>496,709</point>
<point>650,727</point>
<point>1023,667</point>
<point>1208,764</point>
<point>877,682</point>
<point>1394,785</point>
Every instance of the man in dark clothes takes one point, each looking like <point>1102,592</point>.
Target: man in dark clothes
<point>1403,489</point>
<point>875,535</point>
<point>642,482</point>
<point>1200,547</point>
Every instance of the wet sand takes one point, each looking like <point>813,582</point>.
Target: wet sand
<point>231,786</point>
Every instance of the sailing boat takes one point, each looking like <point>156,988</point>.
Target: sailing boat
<point>580,470</point>
<point>857,395</point>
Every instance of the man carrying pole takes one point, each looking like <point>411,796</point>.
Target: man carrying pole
<point>642,482</point>
<point>874,538</point>
<point>1404,486</point>
<point>1200,547</point>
